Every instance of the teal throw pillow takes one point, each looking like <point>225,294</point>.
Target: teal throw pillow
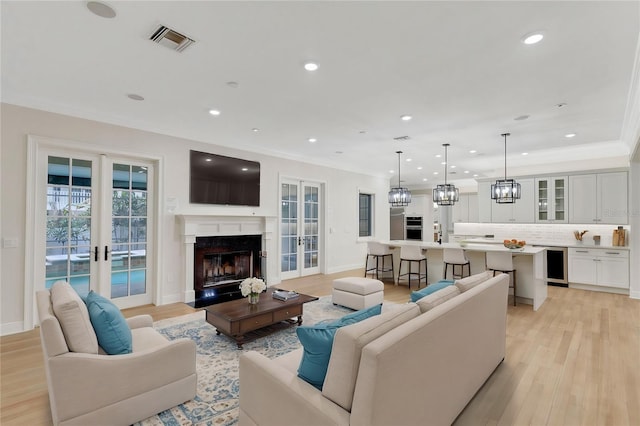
<point>417,295</point>
<point>317,341</point>
<point>112,330</point>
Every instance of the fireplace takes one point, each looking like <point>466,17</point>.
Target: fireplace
<point>194,226</point>
<point>221,263</point>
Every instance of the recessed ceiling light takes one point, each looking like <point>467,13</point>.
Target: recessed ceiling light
<point>569,135</point>
<point>424,179</point>
<point>255,129</point>
<point>101,9</point>
<point>208,160</point>
<point>525,153</point>
<point>435,173</point>
<point>135,97</point>
<point>406,117</point>
<point>391,171</point>
<point>466,171</point>
<point>214,112</point>
<point>244,169</point>
<point>408,160</point>
<point>312,140</point>
<point>532,38</point>
<point>453,167</point>
<point>443,163</point>
<point>419,167</point>
<point>521,117</point>
<point>438,155</point>
<point>475,175</point>
<point>473,151</point>
<point>310,66</point>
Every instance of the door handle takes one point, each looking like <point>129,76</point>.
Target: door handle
<point>95,254</point>
<point>106,252</point>
<point>300,241</point>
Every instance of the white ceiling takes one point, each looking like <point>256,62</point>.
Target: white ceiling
<point>459,68</point>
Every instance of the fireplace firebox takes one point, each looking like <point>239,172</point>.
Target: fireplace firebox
<point>220,265</point>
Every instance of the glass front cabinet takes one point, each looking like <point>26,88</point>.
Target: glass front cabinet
<point>551,199</point>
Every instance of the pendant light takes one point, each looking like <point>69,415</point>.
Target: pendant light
<point>399,197</point>
<point>505,191</point>
<point>447,194</point>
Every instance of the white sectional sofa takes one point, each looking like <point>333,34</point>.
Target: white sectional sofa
<point>416,364</point>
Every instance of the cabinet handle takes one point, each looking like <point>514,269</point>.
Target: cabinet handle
<point>582,251</point>
<point>612,252</point>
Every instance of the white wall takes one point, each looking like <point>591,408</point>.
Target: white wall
<point>343,249</point>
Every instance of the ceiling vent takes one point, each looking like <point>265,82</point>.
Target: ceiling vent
<point>402,138</point>
<point>171,38</point>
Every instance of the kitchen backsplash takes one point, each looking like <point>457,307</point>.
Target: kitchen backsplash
<point>540,233</point>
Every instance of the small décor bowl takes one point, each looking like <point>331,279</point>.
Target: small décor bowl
<point>514,244</point>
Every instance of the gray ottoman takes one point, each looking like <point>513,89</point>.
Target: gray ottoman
<point>357,292</point>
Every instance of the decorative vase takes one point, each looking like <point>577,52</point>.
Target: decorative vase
<point>254,298</point>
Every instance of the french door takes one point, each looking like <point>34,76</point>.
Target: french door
<point>300,224</point>
<point>96,221</point>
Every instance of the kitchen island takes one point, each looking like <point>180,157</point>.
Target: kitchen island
<point>529,262</point>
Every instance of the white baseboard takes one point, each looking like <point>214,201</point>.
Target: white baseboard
<point>599,288</point>
<point>11,328</point>
<point>343,268</point>
<point>634,294</point>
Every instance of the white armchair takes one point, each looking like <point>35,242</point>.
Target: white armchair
<point>86,388</point>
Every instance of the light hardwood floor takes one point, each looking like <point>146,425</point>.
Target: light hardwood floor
<point>574,362</point>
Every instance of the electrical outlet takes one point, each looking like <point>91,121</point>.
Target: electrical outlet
<point>9,242</point>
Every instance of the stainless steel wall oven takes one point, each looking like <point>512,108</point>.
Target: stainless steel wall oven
<point>413,228</point>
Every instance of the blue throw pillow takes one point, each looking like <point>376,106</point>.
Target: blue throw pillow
<point>417,295</point>
<point>112,330</point>
<point>317,341</point>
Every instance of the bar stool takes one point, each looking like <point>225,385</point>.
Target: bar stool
<point>379,252</point>
<point>455,257</point>
<point>412,254</point>
<point>502,261</point>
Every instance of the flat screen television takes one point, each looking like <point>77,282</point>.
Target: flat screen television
<point>216,179</point>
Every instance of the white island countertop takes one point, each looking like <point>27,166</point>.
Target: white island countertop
<point>470,246</point>
<point>529,261</point>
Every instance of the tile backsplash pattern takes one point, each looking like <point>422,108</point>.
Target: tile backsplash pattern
<point>541,233</point>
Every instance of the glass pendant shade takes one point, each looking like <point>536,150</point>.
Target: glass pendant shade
<point>445,194</point>
<point>399,196</point>
<point>505,191</point>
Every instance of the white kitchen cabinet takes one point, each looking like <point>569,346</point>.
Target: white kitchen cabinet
<point>466,209</point>
<point>473,208</point>
<point>598,198</point>
<point>484,202</point>
<point>522,211</point>
<point>416,206</point>
<point>551,199</point>
<point>601,267</point>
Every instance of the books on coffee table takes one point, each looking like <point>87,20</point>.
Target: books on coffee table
<point>284,294</point>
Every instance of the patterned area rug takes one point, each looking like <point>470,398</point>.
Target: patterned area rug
<point>216,402</point>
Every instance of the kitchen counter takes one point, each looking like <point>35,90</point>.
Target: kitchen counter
<point>529,262</point>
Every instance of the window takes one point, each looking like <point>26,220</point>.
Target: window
<point>365,215</point>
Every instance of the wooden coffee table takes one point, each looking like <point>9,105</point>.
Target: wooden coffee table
<point>238,319</point>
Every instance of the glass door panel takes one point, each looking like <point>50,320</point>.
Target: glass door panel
<point>129,196</point>
<point>289,228</point>
<point>559,198</point>
<point>543,200</point>
<point>69,223</point>
<point>311,220</point>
